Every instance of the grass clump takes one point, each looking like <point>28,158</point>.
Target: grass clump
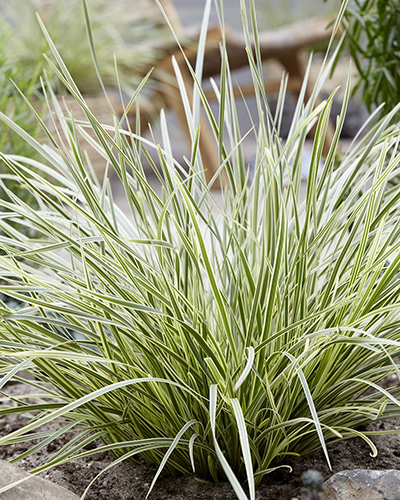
<point>219,337</point>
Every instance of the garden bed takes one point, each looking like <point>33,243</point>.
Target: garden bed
<point>128,481</point>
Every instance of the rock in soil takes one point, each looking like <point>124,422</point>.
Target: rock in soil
<point>363,484</point>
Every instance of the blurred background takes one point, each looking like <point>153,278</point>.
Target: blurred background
<point>132,35</point>
<point>271,13</point>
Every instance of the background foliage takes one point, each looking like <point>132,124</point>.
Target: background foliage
<point>13,104</point>
<point>373,28</point>
<point>117,28</point>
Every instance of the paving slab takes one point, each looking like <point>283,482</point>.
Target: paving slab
<point>34,488</point>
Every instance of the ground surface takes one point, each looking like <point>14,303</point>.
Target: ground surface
<point>131,482</point>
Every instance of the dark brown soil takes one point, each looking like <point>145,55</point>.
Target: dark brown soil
<point>131,482</point>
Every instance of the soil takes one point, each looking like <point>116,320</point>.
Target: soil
<point>128,481</point>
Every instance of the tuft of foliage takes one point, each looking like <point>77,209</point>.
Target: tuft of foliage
<point>216,334</point>
<point>117,28</point>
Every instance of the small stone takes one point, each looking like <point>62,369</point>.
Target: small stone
<point>363,484</point>
<point>313,480</point>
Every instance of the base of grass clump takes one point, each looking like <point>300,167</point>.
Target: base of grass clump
<point>128,481</point>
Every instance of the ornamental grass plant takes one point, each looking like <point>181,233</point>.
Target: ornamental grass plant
<point>205,335</point>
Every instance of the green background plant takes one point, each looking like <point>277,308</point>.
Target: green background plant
<point>12,85</point>
<point>373,28</point>
<point>219,336</point>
